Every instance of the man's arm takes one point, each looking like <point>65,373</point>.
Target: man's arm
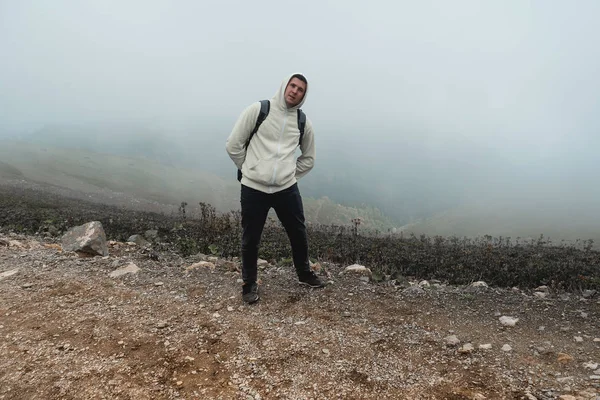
<point>236,142</point>
<point>306,161</point>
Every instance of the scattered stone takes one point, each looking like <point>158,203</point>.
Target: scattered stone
<point>567,397</point>
<point>529,396</point>
<point>131,268</point>
<point>424,284</point>
<point>486,346</point>
<point>188,358</point>
<point>540,295</point>
<point>506,348</point>
<point>597,340</point>
<point>139,240</point>
<point>451,340</point>
<point>326,351</point>
<point>262,263</point>
<point>230,309</point>
<point>564,358</point>
<point>159,284</point>
<point>204,264</point>
<point>162,325</point>
<point>508,321</point>
<point>6,274</point>
<point>346,314</point>
<point>477,287</point>
<point>16,243</point>
<point>357,269</point>
<point>414,291</point>
<point>88,239</point>
<point>590,365</point>
<point>541,289</point>
<point>27,285</point>
<point>578,339</point>
<point>595,377</point>
<point>466,349</point>
<point>588,294</point>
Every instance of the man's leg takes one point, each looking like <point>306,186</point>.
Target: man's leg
<point>290,211</point>
<point>255,208</point>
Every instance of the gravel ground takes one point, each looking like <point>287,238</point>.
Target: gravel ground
<point>177,328</point>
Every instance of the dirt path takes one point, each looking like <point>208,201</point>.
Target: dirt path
<point>70,331</point>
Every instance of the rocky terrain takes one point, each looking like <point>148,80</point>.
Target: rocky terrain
<point>147,324</point>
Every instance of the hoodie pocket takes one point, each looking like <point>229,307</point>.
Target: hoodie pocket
<point>271,172</point>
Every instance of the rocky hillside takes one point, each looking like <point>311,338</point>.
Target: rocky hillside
<point>139,324</point>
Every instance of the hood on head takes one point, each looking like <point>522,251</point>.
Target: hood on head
<point>279,96</point>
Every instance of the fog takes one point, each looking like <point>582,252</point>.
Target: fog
<point>419,108</point>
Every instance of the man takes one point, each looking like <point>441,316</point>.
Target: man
<point>269,178</point>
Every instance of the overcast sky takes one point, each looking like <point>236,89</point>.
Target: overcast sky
<point>518,78</point>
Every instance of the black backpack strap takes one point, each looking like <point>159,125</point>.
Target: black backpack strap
<point>265,106</point>
<point>301,124</point>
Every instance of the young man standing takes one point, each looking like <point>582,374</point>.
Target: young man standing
<point>269,172</point>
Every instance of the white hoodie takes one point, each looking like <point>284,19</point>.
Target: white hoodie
<point>269,164</point>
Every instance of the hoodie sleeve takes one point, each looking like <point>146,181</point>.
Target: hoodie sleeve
<point>236,141</point>
<point>306,161</point>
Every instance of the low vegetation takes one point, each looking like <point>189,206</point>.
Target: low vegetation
<point>502,262</point>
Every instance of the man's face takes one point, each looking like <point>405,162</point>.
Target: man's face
<point>294,92</point>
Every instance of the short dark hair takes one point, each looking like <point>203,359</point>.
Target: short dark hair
<point>299,76</point>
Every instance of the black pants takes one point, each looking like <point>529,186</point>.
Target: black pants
<point>255,207</point>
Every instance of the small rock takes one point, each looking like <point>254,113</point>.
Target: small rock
<point>413,291</point>
<point>466,348</point>
<point>564,358</point>
<point>201,264</point>
<point>162,325</point>
<point>188,358</point>
<point>262,263</point>
<point>595,377</point>
<point>508,321</point>
<point>89,238</point>
<point>540,295</point>
<point>597,340</point>
<point>567,397</point>
<point>479,284</point>
<point>159,284</point>
<point>27,285</point>
<point>357,269</point>
<point>451,340</point>
<point>138,239</point>
<point>131,268</point>
<point>590,365</point>
<point>486,346</point>
<point>506,348</point>
<point>346,314</point>
<point>230,308</point>
<point>588,294</point>
<point>578,339</point>
<point>541,289</point>
<point>424,284</point>
<point>326,351</point>
<point>6,274</point>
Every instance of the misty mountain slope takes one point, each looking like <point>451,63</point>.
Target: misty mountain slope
<point>527,221</point>
<point>89,172</point>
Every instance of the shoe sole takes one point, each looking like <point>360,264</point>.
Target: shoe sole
<point>311,286</point>
<point>253,301</point>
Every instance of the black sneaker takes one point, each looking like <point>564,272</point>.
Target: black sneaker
<point>250,292</point>
<point>310,279</point>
